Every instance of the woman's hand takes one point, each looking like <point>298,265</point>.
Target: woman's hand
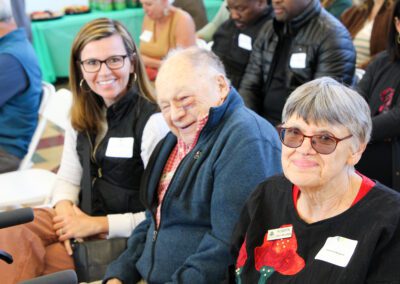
<point>79,225</point>
<point>64,208</point>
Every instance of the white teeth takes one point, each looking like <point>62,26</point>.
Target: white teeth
<point>106,82</point>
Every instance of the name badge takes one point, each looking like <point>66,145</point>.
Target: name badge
<point>120,147</point>
<point>337,250</point>
<point>244,41</point>
<point>280,233</point>
<point>146,36</point>
<point>298,60</point>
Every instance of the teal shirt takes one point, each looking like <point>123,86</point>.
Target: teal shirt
<point>338,7</point>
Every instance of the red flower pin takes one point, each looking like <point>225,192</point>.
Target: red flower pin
<point>278,255</point>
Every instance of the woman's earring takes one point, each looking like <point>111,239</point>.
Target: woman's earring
<point>134,77</point>
<point>82,86</point>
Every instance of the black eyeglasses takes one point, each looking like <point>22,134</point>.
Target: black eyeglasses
<point>112,62</point>
<point>322,143</point>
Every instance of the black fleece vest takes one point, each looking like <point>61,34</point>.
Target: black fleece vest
<point>111,185</point>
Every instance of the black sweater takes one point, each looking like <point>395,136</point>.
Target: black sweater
<point>374,222</point>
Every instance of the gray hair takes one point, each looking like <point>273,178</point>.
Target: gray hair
<point>201,59</point>
<point>326,100</point>
<point>5,11</point>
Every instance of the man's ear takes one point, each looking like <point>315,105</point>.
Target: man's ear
<point>357,154</point>
<point>223,86</point>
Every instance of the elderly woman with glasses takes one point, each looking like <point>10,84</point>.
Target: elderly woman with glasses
<point>322,221</point>
<point>115,127</point>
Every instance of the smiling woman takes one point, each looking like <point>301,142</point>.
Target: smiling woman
<point>314,222</point>
<point>115,127</point>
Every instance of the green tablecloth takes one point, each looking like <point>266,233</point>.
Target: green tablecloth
<point>52,39</point>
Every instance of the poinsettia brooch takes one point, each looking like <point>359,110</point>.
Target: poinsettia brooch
<point>278,255</point>
<point>273,255</point>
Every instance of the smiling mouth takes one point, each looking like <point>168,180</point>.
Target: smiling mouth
<point>186,126</point>
<point>106,82</point>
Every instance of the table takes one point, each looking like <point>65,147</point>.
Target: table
<point>53,39</point>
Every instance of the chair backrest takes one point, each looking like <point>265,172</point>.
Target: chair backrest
<point>58,107</point>
<point>55,107</point>
<point>48,90</point>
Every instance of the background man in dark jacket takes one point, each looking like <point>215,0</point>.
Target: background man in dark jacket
<point>234,39</point>
<point>302,43</point>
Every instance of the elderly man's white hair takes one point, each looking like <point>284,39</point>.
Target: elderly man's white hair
<point>199,58</point>
<point>5,11</point>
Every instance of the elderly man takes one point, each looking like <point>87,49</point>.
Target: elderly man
<point>198,178</point>
<point>21,89</point>
<point>302,43</point>
<point>233,41</point>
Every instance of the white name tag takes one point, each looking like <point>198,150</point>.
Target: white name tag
<point>298,60</point>
<point>120,147</point>
<point>281,233</point>
<point>244,41</point>
<point>337,250</point>
<point>146,36</point>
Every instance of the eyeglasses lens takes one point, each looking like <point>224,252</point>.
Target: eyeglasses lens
<point>94,65</point>
<point>293,138</point>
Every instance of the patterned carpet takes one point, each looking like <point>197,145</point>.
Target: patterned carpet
<point>48,153</point>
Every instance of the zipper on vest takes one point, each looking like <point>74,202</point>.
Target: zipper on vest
<point>157,229</point>
<point>93,157</point>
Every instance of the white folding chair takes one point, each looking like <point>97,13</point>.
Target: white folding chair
<point>33,186</point>
<point>26,163</point>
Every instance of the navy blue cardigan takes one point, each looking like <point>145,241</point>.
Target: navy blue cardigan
<point>236,150</point>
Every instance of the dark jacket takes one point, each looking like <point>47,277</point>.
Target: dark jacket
<point>327,46</point>
<point>381,74</point>
<point>236,150</point>
<point>111,184</point>
<point>226,45</point>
